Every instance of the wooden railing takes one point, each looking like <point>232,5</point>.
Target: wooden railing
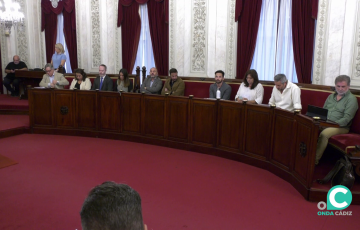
<point>279,141</point>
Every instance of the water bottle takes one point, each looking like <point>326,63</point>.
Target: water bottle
<point>218,94</point>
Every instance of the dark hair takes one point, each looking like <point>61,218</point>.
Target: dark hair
<point>343,78</point>
<point>80,71</point>
<point>126,77</point>
<point>173,70</point>
<point>104,66</point>
<point>220,71</point>
<point>254,75</point>
<point>112,206</point>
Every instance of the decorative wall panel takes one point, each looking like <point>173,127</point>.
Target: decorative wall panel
<point>95,33</point>
<point>199,36</point>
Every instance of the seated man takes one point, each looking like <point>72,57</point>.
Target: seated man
<point>102,82</point>
<point>152,84</point>
<point>174,86</point>
<point>342,106</point>
<point>10,69</point>
<point>53,79</point>
<point>112,206</point>
<point>285,95</point>
<point>225,89</point>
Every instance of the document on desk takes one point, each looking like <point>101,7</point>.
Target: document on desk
<point>39,87</point>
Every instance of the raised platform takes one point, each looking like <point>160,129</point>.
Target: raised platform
<point>12,125</point>
<point>12,105</point>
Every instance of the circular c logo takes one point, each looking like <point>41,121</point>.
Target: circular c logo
<point>339,197</point>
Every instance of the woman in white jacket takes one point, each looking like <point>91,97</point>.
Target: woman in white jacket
<point>81,81</point>
<point>251,89</point>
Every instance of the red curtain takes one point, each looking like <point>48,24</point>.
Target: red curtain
<point>123,3</point>
<point>130,32</point>
<point>130,21</point>
<point>158,11</point>
<point>247,13</point>
<point>303,22</point>
<point>49,24</point>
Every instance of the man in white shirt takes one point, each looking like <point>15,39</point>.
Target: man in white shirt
<point>53,79</point>
<point>285,95</point>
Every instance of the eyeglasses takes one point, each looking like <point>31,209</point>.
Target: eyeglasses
<point>48,71</point>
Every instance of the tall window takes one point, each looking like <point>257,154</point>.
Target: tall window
<point>60,38</point>
<point>274,47</point>
<point>145,54</point>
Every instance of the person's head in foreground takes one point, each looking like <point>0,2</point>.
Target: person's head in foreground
<point>112,206</point>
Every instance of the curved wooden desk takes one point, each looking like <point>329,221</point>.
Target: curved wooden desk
<point>279,141</point>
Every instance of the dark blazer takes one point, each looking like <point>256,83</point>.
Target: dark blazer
<point>106,86</point>
<point>154,89</point>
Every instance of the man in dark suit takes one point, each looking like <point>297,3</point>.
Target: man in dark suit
<point>102,82</point>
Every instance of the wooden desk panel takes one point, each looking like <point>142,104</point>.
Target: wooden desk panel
<point>203,122</point>
<point>177,115</point>
<point>109,111</point>
<point>230,125</point>
<point>41,111</point>
<point>29,74</point>
<point>153,115</point>
<point>131,112</point>
<point>258,131</point>
<point>64,104</point>
<point>305,148</point>
<point>86,110</point>
<point>255,134</point>
<point>283,138</point>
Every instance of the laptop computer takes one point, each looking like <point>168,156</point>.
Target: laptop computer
<point>314,111</point>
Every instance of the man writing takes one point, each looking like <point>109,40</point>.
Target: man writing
<point>174,85</point>
<point>152,84</point>
<point>53,79</point>
<point>225,89</point>
<point>342,106</point>
<point>10,69</point>
<point>285,94</point>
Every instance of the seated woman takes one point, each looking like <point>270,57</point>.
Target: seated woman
<point>250,90</point>
<point>123,83</point>
<point>59,58</point>
<point>81,81</point>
